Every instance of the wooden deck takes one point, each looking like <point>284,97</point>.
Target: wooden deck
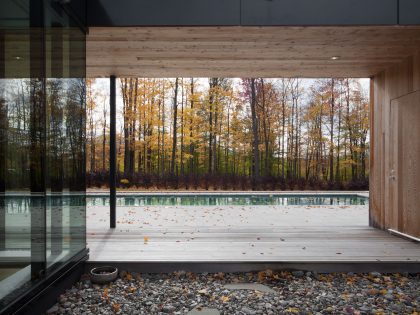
<point>293,244</point>
<point>326,235</point>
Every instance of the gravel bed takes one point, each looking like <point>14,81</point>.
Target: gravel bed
<point>295,292</point>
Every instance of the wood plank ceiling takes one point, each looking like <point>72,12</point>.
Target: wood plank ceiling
<point>275,51</point>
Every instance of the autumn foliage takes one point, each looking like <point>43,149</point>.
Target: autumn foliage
<point>232,134</point>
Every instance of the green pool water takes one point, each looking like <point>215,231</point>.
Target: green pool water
<point>227,200</point>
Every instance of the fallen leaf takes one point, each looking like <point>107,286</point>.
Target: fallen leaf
<point>293,310</point>
<point>105,294</point>
<point>225,299</point>
<point>116,307</point>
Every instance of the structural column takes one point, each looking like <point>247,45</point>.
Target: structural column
<point>55,156</point>
<point>37,135</point>
<point>3,142</point>
<point>112,153</point>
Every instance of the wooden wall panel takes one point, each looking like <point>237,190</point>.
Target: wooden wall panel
<point>416,72</point>
<point>376,163</point>
<point>409,133</point>
<point>386,208</point>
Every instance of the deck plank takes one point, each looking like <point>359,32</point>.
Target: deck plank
<point>217,234</point>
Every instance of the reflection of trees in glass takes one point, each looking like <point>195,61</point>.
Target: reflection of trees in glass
<point>36,136</point>
<point>3,141</point>
<point>15,130</point>
<point>75,133</point>
<point>56,132</point>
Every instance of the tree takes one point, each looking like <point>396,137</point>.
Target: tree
<point>291,131</point>
<point>174,128</point>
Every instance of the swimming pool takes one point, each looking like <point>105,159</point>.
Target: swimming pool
<point>228,200</point>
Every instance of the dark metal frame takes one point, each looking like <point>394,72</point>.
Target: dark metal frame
<point>3,154</point>
<point>38,169</point>
<point>39,296</point>
<point>112,153</point>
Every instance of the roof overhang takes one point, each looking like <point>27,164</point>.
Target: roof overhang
<point>246,51</point>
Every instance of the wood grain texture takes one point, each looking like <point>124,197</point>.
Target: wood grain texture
<point>248,51</point>
<point>409,153</point>
<point>393,126</point>
<point>247,244</point>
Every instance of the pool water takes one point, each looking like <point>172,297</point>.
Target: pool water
<point>228,200</point>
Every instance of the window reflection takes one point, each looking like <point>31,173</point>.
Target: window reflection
<point>42,147</point>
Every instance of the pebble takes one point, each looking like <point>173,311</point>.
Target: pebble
<point>248,311</point>
<point>298,273</point>
<point>267,293</point>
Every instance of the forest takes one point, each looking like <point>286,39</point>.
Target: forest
<point>231,134</point>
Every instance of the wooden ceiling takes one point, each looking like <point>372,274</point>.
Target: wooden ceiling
<point>274,51</point>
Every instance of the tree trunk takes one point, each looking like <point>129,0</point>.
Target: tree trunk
<point>175,112</point>
<point>332,132</point>
<point>191,168</point>
<point>256,164</point>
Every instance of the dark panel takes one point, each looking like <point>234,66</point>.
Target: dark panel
<point>78,10</point>
<point>163,12</point>
<point>3,144</point>
<point>14,13</point>
<point>409,12</point>
<point>36,299</point>
<point>112,153</point>
<point>319,12</point>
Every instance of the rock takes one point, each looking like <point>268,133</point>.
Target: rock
<point>364,309</point>
<point>389,297</point>
<point>168,308</point>
<point>248,311</point>
<point>298,273</point>
<point>249,286</point>
<point>375,274</point>
<point>240,293</point>
<point>203,311</point>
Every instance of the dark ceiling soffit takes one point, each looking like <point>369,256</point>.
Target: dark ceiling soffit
<point>319,12</point>
<point>163,12</point>
<point>409,12</point>
<point>252,12</point>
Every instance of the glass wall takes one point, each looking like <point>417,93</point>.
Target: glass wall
<point>42,139</point>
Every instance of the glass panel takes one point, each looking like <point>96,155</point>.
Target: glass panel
<point>15,147</point>
<point>65,106</point>
<point>42,138</point>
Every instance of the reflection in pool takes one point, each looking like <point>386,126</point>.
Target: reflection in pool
<point>227,200</point>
